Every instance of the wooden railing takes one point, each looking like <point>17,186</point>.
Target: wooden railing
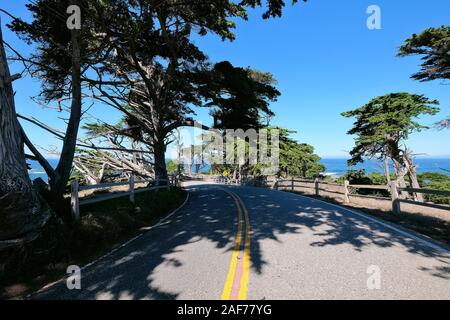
<point>346,191</point>
<point>76,202</point>
<point>423,191</point>
<point>346,188</point>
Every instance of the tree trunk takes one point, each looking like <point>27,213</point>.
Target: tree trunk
<point>386,170</point>
<point>159,149</point>
<point>400,178</point>
<point>413,177</point>
<point>62,171</point>
<point>22,213</point>
<point>303,170</point>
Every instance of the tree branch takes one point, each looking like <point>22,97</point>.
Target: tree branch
<point>39,157</point>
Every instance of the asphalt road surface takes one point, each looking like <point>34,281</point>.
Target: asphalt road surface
<point>231,242</point>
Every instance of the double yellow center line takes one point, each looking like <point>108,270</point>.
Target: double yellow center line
<point>238,274</point>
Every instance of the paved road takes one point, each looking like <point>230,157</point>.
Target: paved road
<point>249,243</point>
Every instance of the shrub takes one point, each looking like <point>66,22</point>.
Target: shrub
<point>438,185</point>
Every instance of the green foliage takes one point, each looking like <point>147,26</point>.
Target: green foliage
<point>172,167</point>
<point>427,177</point>
<point>298,159</point>
<point>355,177</point>
<point>239,96</point>
<point>140,57</point>
<point>438,185</point>
<point>433,45</point>
<point>144,26</point>
<point>295,159</point>
<point>274,7</point>
<point>360,177</point>
<point>385,122</point>
<point>75,176</point>
<point>377,178</point>
<point>435,181</point>
<point>52,58</point>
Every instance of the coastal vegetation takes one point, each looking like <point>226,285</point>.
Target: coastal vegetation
<point>143,60</point>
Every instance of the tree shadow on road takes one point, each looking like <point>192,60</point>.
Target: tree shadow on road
<point>129,272</point>
<point>330,227</point>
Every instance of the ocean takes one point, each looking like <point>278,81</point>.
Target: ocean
<point>37,171</point>
<point>337,167</point>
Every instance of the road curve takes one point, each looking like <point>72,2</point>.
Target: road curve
<point>234,242</point>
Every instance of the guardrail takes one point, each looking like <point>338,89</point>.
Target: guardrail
<point>346,189</point>
<point>76,202</point>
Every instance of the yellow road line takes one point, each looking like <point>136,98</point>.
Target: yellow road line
<point>234,258</point>
<point>242,294</point>
<point>246,262</point>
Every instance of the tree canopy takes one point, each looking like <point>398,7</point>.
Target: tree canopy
<point>433,45</point>
<point>239,96</point>
<point>386,121</point>
<point>139,57</point>
<point>443,123</point>
<point>297,159</point>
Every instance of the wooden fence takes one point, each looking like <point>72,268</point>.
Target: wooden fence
<point>76,202</point>
<point>346,191</point>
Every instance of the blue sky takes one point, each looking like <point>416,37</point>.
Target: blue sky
<point>325,59</point>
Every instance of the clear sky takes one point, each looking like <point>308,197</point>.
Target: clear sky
<point>325,59</point>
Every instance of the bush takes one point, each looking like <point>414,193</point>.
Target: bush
<point>428,177</point>
<point>360,177</point>
<point>377,178</point>
<point>435,181</point>
<point>438,185</point>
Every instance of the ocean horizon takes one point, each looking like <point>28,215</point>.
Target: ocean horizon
<point>334,166</point>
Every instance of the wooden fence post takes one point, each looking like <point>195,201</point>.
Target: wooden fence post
<point>274,184</point>
<point>74,201</point>
<point>316,186</point>
<point>132,189</point>
<point>346,197</point>
<point>395,199</point>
